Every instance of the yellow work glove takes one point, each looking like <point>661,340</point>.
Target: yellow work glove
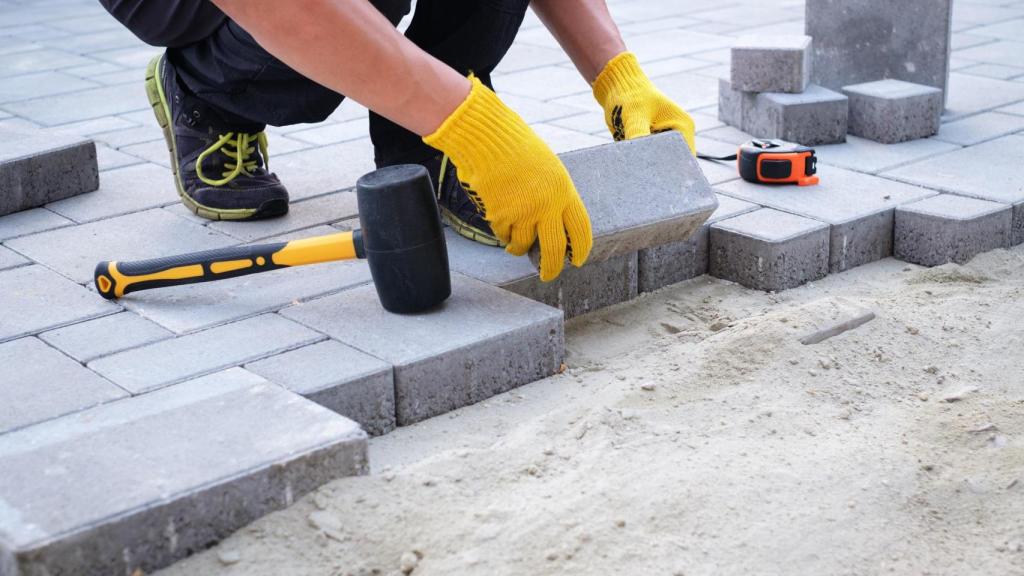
<point>633,106</point>
<point>516,181</point>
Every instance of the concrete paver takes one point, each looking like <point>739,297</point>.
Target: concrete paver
<point>93,339</point>
<point>35,299</point>
<point>892,111</point>
<point>771,63</point>
<point>36,168</point>
<point>948,228</point>
<point>120,192</point>
<point>10,259</point>
<point>979,128</point>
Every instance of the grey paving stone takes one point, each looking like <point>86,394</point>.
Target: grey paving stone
<point>968,172</point>
<point>339,377</point>
<point>302,214</point>
<point>40,84</point>
<point>769,250</point>
<point>717,172</point>
<point>11,259</point>
<point>543,83</point>
<point>168,362</point>
<point>109,159</point>
<point>1004,52</point>
<point>332,133</point>
<point>40,383</point>
<point>816,116</point>
<point>639,193</point>
<point>317,171</point>
<point>149,480</point>
<point>1017,109</point>
<point>948,228</point>
<point>979,128</point>
<point>29,61</point>
<point>771,63</point>
<point>129,136</point>
<point>30,222</point>
<point>997,71</point>
<point>972,94</point>
<point>869,40</point>
<point>672,263</point>
<point>82,105</point>
<point>35,299</point>
<point>891,111</point>
<point>565,140</point>
<point>858,207</point>
<point>75,250</point>
<point>121,191</point>
<point>92,339</point>
<point>732,103</point>
<point>872,157</point>
<point>38,167</point>
<point>481,342</point>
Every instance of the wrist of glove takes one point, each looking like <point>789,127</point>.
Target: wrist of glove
<point>516,181</point>
<point>633,106</point>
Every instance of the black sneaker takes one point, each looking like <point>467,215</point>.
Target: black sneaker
<point>219,168</point>
<point>458,208</point>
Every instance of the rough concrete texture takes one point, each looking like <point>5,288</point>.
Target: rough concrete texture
<point>482,341</point>
<point>892,111</point>
<point>858,207</point>
<point>868,40</point>
<point>948,228</point>
<point>769,250</point>
<point>146,481</point>
<point>39,167</point>
<point>639,193</point>
<point>671,263</point>
<point>816,116</point>
<point>771,63</point>
<point>732,103</point>
<point>341,378</point>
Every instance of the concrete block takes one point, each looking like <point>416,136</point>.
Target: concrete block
<point>859,209</point>
<point>870,157</point>
<point>93,339</point>
<point>732,102</point>
<point>639,193</point>
<point>30,222</point>
<point>339,377</point>
<point>35,299</point>
<point>482,341</point>
<point>948,228</point>
<point>771,63</point>
<point>304,172</point>
<point>132,486</point>
<point>38,167</point>
<point>40,383</point>
<point>81,105</point>
<point>979,128</point>
<point>817,116</point>
<point>968,172</point>
<point>303,214</point>
<point>769,250</point>
<point>168,362</point>
<point>672,263</point>
<point>121,191</point>
<point>868,40</point>
<point>891,111</point>
<point>11,259</point>
<point>968,95</point>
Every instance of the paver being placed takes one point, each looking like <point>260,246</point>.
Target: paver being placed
<point>35,299</point>
<point>868,40</point>
<point>93,339</point>
<point>769,250</point>
<point>672,263</point>
<point>131,486</point>
<point>858,207</point>
<point>121,191</point>
<point>891,111</point>
<point>40,383</point>
<point>948,228</point>
<point>168,362</point>
<point>771,63</point>
<point>38,167</point>
<point>482,341</point>
<point>969,172</point>
<point>816,116</point>
<point>349,382</point>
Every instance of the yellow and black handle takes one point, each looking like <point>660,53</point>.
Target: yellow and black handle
<point>115,279</point>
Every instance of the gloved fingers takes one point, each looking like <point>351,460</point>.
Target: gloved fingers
<point>578,230</point>
<point>681,123</point>
<point>553,244</point>
<point>636,126</point>
<point>522,240</point>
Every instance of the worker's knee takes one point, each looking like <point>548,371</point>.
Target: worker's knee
<point>168,23</point>
<point>393,10</point>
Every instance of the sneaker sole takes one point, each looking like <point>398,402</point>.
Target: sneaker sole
<point>466,231</point>
<point>162,111</point>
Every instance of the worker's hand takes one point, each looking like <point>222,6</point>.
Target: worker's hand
<point>633,106</point>
<point>516,181</point>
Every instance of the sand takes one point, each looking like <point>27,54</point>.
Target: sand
<point>694,434</point>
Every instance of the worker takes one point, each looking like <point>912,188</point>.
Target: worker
<point>232,67</point>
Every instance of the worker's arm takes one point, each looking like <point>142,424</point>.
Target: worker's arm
<point>633,105</point>
<point>349,47</point>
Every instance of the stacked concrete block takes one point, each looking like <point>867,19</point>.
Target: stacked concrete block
<point>134,485</point>
<point>892,111</point>
<point>771,63</point>
<point>40,167</point>
<point>769,250</point>
<point>816,116</point>
<point>948,228</point>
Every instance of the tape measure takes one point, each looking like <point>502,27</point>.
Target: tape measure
<point>774,162</point>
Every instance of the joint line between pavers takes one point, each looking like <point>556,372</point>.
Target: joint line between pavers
<point>61,325</point>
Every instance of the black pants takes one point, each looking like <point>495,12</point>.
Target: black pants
<point>225,67</point>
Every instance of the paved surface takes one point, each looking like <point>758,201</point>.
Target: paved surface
<point>66,65</point>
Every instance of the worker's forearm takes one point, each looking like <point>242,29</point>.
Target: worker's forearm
<point>584,29</point>
<point>351,48</point>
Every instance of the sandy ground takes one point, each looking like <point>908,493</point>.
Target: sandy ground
<point>694,434</point>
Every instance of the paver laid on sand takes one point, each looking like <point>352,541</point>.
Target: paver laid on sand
<point>37,167</point>
<point>92,339</point>
<point>948,228</point>
<point>482,341</point>
<point>34,299</point>
<point>139,483</point>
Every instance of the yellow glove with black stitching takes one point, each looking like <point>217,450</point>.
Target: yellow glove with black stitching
<point>516,181</point>
<point>633,106</point>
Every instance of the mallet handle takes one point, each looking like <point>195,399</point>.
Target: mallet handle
<point>115,279</point>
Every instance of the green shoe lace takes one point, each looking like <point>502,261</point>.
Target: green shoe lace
<point>243,150</point>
